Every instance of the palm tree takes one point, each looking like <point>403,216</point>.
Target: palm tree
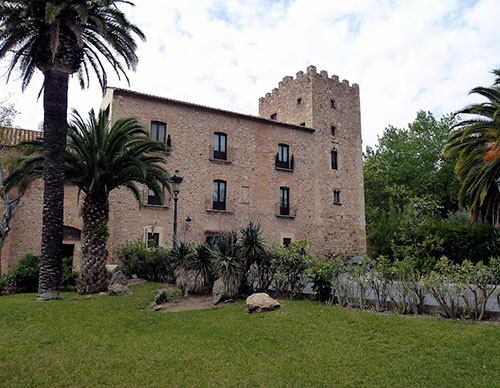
<point>61,38</point>
<point>476,142</point>
<point>99,159</point>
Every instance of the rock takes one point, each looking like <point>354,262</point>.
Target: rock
<point>118,278</point>
<point>102,294</point>
<point>111,268</point>
<point>258,303</point>
<point>218,291</point>
<point>118,289</point>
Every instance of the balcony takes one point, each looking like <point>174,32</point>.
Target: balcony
<point>287,165</point>
<point>220,157</point>
<point>285,212</point>
<point>226,207</point>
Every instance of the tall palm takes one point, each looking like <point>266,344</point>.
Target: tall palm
<point>99,159</point>
<point>61,38</point>
<point>476,141</point>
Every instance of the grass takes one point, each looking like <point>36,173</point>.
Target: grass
<point>110,342</point>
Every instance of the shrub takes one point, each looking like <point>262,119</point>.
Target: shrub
<point>180,262</point>
<point>69,277</point>
<point>4,282</point>
<point>202,269</point>
<point>262,272</point>
<point>148,263</point>
<point>162,297</point>
<point>291,264</point>
<point>379,279</point>
<point>322,276</point>
<point>25,277</point>
<point>409,286</point>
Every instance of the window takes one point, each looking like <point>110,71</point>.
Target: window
<point>282,157</point>
<point>153,198</point>
<point>332,104</point>
<point>71,234</point>
<point>299,101</point>
<point>303,124</point>
<point>333,129</point>
<point>284,201</point>
<point>220,146</point>
<point>287,241</point>
<point>153,240</point>
<point>219,195</point>
<point>159,131</point>
<point>335,164</point>
<point>336,197</point>
<point>274,116</point>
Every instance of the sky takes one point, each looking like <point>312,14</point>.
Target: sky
<point>405,55</point>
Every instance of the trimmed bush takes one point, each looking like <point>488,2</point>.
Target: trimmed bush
<point>25,277</point>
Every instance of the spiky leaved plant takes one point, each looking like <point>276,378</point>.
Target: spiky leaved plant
<point>181,258</point>
<point>201,270</point>
<point>229,262</point>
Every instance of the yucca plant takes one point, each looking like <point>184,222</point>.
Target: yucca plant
<point>252,249</point>
<point>201,270</point>
<point>181,258</point>
<point>229,262</point>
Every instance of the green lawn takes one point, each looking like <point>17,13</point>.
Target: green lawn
<point>109,342</point>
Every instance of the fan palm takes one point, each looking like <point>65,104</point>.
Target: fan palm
<point>476,141</point>
<point>99,159</point>
<point>61,38</point>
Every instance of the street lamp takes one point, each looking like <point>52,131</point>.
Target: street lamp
<point>176,184</point>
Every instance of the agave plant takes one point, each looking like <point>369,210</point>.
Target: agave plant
<point>229,262</point>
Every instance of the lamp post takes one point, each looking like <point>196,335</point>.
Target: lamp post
<point>176,184</point>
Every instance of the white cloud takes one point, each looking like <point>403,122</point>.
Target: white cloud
<point>404,55</point>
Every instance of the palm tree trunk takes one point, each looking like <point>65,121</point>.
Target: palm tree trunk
<point>55,126</point>
<point>94,253</point>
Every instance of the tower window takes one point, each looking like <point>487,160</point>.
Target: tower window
<point>335,164</point>
<point>303,124</point>
<point>332,104</point>
<point>219,195</point>
<point>220,146</point>
<point>336,197</point>
<point>159,131</point>
<point>284,201</point>
<point>299,101</point>
<point>274,116</point>
<point>333,129</point>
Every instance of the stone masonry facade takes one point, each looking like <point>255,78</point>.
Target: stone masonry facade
<point>317,119</point>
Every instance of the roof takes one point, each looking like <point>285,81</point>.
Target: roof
<point>13,136</point>
<point>208,108</point>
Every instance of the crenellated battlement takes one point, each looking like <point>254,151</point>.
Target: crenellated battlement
<point>311,72</point>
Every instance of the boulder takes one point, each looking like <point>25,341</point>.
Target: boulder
<point>118,289</point>
<point>118,277</point>
<point>258,303</point>
<point>218,291</point>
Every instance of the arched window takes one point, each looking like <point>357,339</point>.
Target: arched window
<point>159,131</point>
<point>219,195</point>
<point>71,234</point>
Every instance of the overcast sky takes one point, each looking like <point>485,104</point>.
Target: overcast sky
<point>405,55</point>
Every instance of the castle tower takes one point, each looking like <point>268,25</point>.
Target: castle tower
<point>332,108</point>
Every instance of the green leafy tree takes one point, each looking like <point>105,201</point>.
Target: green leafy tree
<point>100,158</point>
<point>476,143</point>
<point>61,38</point>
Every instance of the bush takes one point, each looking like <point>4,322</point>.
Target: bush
<point>25,277</point>
<point>229,262</point>
<point>321,275</point>
<point>4,282</point>
<point>147,263</point>
<point>291,264</point>
<point>69,277</point>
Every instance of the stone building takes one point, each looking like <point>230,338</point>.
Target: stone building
<point>296,169</point>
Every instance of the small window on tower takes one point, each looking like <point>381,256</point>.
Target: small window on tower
<point>274,116</point>
<point>332,104</point>
<point>299,101</point>
<point>334,130</point>
<point>336,197</point>
<point>303,124</point>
